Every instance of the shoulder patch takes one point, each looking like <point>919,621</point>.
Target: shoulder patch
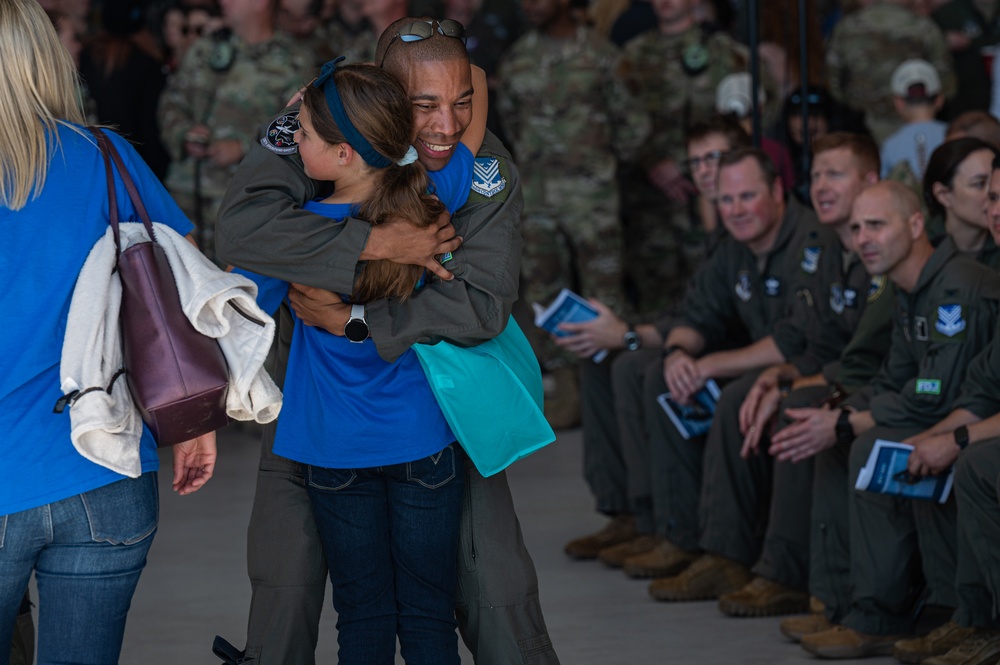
<point>487,177</point>
<point>280,135</point>
<point>950,323</point>
<point>876,288</point>
<point>810,259</point>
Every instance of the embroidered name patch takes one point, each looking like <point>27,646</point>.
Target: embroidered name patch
<point>928,387</point>
<point>280,136</point>
<point>486,177</point>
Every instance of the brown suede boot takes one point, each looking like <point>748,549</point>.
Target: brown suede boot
<point>982,647</point>
<point>707,578</point>
<point>939,641</point>
<point>841,642</point>
<point>620,529</point>
<point>764,598</point>
<point>664,560</point>
<point>616,555</point>
<point>795,628</point>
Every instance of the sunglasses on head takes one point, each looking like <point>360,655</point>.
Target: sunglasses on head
<point>421,30</point>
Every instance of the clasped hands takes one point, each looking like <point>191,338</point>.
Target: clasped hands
<point>396,240</point>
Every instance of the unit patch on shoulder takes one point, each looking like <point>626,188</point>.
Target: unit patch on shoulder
<point>487,177</point>
<point>949,323</point>
<point>810,259</point>
<point>280,136</point>
<point>876,287</point>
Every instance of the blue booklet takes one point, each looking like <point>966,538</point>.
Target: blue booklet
<point>567,307</point>
<point>885,473</point>
<point>692,419</point>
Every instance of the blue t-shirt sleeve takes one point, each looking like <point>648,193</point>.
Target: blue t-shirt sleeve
<point>270,290</point>
<point>452,183</point>
<point>157,201</point>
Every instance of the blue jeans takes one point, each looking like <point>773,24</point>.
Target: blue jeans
<point>391,540</point>
<point>87,552</point>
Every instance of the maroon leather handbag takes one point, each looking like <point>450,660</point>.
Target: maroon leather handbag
<point>177,376</point>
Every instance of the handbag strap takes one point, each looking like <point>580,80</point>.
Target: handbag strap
<point>109,153</point>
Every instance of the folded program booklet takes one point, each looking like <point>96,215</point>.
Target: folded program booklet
<point>885,473</point>
<point>696,418</point>
<point>567,307</point>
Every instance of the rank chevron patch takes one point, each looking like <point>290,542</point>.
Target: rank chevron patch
<point>950,321</point>
<point>486,177</point>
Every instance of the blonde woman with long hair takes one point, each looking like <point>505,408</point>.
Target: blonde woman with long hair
<point>83,529</point>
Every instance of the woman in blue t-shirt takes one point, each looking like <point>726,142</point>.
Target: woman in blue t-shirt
<point>384,473</point>
<point>83,529</point>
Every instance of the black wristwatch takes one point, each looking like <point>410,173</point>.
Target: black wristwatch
<point>670,349</point>
<point>632,340</point>
<point>356,329</point>
<point>785,387</point>
<point>844,430</point>
<point>962,437</point>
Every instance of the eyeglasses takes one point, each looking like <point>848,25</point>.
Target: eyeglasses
<point>708,159</point>
<point>812,99</point>
<point>421,30</point>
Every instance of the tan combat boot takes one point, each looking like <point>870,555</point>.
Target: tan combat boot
<point>841,642</point>
<point>664,560</point>
<point>794,628</point>
<point>764,598</point>
<point>620,529</point>
<point>939,641</point>
<point>982,647</point>
<point>707,578</point>
<point>616,555</point>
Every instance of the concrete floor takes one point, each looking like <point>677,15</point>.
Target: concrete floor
<point>195,585</point>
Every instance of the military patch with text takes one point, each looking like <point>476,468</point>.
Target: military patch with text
<point>487,179</point>
<point>280,135</point>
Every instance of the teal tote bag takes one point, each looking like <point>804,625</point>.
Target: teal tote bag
<point>491,396</point>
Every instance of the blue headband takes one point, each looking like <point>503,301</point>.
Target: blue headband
<point>354,138</point>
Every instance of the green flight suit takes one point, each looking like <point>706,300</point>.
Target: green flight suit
<point>938,329</point>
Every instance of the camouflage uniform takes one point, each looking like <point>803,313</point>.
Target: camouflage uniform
<point>568,113</point>
<point>335,39</point>
<point>230,101</point>
<point>664,242</point>
<point>865,49</point>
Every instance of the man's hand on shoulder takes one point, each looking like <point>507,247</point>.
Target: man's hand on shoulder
<point>400,241</point>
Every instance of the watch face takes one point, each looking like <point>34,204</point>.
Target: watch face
<point>356,330</point>
<point>632,341</point>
